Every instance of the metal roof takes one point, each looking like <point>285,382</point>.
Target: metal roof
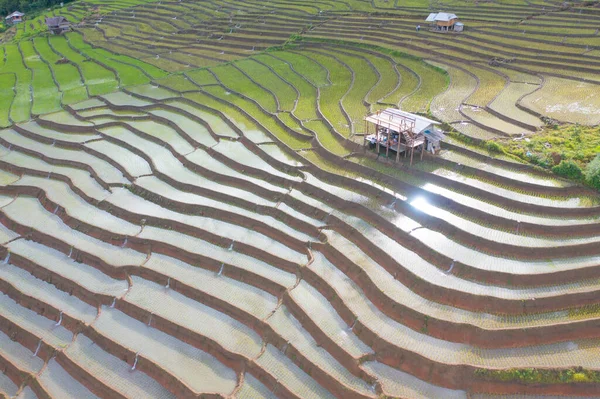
<point>15,14</point>
<point>440,16</point>
<point>56,21</point>
<point>398,120</point>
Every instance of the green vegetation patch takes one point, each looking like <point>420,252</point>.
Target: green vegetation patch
<point>433,81</point>
<point>45,91</point>
<point>326,137</point>
<point>568,169</point>
<point>409,81</point>
<point>285,93</point>
<point>365,79</point>
<point>178,83</point>
<point>66,75</point>
<point>548,147</point>
<point>127,74</point>
<point>312,71</point>
<point>241,119</point>
<point>540,376</point>
<point>201,77</point>
<point>98,79</point>
<point>7,93</point>
<point>341,78</point>
<point>592,173</point>
<point>570,151</point>
<point>235,80</point>
<point>306,105</point>
<point>21,104</point>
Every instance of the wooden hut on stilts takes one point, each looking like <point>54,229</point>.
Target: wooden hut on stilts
<point>401,132</point>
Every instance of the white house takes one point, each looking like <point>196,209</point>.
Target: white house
<point>14,18</point>
<point>444,21</point>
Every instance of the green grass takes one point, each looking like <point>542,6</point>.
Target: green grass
<point>541,376</point>
<point>365,78</point>
<point>409,82</point>
<point>570,142</point>
<point>128,75</point>
<point>313,72</point>
<point>285,93</point>
<point>252,109</point>
<point>66,75</point>
<point>341,77</point>
<point>7,81</point>
<point>388,81</point>
<point>306,106</point>
<point>177,82</point>
<point>21,104</point>
<point>328,166</point>
<point>194,58</point>
<point>433,82</point>
<point>98,79</point>
<point>152,71</point>
<point>326,137</point>
<point>287,119</point>
<point>490,84</point>
<point>46,97</point>
<point>235,80</point>
<point>202,77</point>
<point>445,106</point>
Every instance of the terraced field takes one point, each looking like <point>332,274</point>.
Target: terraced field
<point>187,210</point>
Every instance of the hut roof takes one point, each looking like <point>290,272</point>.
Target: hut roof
<point>440,16</point>
<point>15,14</point>
<point>56,21</point>
<point>398,120</point>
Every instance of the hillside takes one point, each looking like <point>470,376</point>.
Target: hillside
<point>188,209</point>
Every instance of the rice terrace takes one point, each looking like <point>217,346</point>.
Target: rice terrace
<point>292,199</point>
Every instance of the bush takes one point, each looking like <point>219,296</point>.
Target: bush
<point>592,173</point>
<point>493,147</point>
<point>568,169</point>
<point>580,377</point>
<point>540,376</point>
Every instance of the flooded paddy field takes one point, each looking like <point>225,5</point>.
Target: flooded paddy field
<point>194,217</point>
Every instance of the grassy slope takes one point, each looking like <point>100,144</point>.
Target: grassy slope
<point>274,79</point>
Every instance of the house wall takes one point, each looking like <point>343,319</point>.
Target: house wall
<point>449,23</point>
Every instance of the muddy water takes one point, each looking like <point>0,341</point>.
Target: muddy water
<point>199,370</point>
<point>113,371</point>
<point>60,384</point>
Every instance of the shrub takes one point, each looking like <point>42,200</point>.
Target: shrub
<point>493,147</point>
<point>540,376</point>
<point>580,377</point>
<point>592,173</point>
<point>568,169</point>
<point>540,161</point>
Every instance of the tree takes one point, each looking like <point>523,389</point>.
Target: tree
<point>592,173</point>
<point>568,169</point>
